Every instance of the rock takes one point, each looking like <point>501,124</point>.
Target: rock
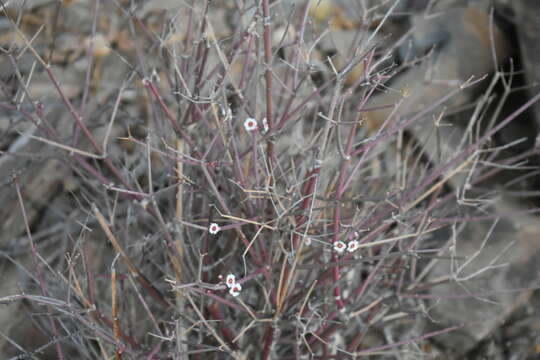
<point>491,267</point>
<point>527,14</point>
<point>454,35</point>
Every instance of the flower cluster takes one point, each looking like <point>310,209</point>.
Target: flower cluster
<point>251,124</point>
<point>340,246</point>
<point>234,287</point>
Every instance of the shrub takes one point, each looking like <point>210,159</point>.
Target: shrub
<point>235,195</point>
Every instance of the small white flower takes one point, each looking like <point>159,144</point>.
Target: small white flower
<point>352,246</point>
<point>146,81</point>
<point>250,124</point>
<point>230,280</point>
<point>265,126</point>
<point>214,228</point>
<point>235,289</point>
<point>339,246</point>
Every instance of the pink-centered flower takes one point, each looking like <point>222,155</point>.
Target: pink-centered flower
<point>250,124</point>
<point>230,280</point>
<point>235,289</point>
<point>214,228</point>
<point>339,246</point>
<point>352,245</point>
